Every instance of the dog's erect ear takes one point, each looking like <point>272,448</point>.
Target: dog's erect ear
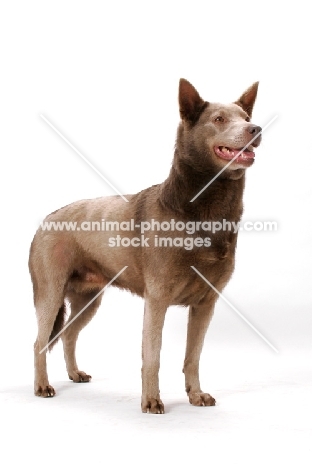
<point>190,102</point>
<point>247,100</point>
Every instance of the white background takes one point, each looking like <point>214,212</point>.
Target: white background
<point>106,75</point>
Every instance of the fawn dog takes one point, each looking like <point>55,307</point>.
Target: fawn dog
<point>215,143</point>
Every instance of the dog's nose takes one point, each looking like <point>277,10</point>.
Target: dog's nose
<point>254,130</point>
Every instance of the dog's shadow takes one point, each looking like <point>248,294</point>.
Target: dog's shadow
<point>90,399</point>
<point>111,399</point>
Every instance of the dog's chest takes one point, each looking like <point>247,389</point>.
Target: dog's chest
<point>174,272</point>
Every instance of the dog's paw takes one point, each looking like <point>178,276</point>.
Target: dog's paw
<point>201,399</point>
<point>79,376</point>
<point>45,391</point>
<point>152,405</point>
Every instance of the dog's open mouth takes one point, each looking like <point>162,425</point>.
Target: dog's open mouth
<point>240,156</point>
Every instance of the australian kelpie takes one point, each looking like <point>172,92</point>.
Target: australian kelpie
<point>155,244</point>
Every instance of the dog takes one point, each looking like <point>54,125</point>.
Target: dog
<point>155,246</point>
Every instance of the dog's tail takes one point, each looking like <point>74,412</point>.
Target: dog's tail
<point>58,326</point>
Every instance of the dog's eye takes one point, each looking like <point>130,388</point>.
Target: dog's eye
<point>219,119</point>
<point>247,119</point>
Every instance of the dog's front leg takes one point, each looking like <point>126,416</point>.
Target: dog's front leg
<point>154,316</point>
<point>199,319</point>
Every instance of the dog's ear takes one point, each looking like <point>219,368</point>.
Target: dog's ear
<point>247,100</point>
<point>190,102</point>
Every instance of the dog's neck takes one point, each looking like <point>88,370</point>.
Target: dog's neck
<point>221,199</point>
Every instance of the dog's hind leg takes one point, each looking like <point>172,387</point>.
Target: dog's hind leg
<point>78,301</point>
<point>198,322</point>
<point>50,315</point>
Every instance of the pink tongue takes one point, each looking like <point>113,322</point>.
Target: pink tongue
<point>244,155</point>
<point>229,155</point>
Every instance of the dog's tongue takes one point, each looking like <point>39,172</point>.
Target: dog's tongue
<point>230,153</point>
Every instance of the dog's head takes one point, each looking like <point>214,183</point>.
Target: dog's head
<point>213,135</point>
